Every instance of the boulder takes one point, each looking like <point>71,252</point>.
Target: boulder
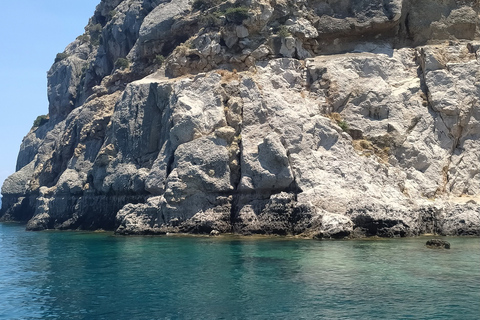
<point>438,243</point>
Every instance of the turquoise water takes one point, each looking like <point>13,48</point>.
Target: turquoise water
<point>76,275</point>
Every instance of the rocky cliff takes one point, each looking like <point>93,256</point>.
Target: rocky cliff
<point>321,118</point>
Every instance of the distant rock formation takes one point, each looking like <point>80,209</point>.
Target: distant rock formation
<point>323,119</point>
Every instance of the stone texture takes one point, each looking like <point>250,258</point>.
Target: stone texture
<point>438,243</point>
<point>362,121</point>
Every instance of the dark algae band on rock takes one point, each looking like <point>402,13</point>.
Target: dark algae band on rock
<point>330,119</point>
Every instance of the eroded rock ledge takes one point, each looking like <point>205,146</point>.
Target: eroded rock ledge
<point>317,118</point>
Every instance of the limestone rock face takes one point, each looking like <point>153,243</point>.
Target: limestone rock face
<point>326,119</point>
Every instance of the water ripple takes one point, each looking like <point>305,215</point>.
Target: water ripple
<point>77,275</point>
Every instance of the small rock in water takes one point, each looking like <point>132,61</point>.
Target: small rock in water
<point>438,243</point>
<point>214,233</point>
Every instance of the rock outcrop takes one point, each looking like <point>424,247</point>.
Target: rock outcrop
<point>324,119</point>
<point>438,244</point>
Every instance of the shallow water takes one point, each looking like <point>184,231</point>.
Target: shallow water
<point>78,275</point>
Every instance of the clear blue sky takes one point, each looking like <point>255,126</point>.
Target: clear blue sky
<point>32,33</point>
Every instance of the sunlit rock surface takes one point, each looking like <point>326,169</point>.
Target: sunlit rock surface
<point>324,119</point>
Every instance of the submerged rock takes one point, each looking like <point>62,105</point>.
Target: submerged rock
<point>331,119</point>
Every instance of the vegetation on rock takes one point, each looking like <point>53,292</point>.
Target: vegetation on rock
<point>83,38</point>
<point>122,63</point>
<point>40,120</point>
<point>344,125</point>
<point>283,31</point>
<point>61,56</point>
<point>337,118</point>
<point>236,15</point>
<point>95,32</point>
<point>159,59</point>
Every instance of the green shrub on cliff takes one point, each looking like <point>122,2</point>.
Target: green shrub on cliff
<point>95,32</point>
<point>83,38</point>
<point>122,63</point>
<point>237,15</point>
<point>41,120</point>
<point>211,19</point>
<point>283,32</point>
<point>344,125</point>
<point>61,56</point>
<point>337,118</point>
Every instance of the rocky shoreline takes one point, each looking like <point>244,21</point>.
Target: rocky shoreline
<point>323,119</point>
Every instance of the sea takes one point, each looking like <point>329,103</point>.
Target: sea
<point>98,275</point>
